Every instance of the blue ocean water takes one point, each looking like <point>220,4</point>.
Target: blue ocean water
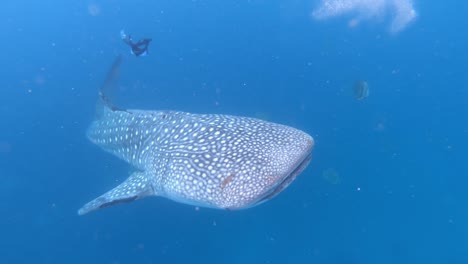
<point>398,161</point>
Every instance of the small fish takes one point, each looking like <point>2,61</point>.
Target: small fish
<point>207,160</point>
<point>361,89</point>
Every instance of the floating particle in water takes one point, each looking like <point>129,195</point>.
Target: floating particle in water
<point>331,176</point>
<point>94,9</point>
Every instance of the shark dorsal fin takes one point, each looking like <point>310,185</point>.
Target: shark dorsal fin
<point>109,87</point>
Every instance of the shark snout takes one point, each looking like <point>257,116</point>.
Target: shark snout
<point>298,155</point>
<point>286,162</point>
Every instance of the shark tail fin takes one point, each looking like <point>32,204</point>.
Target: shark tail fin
<point>135,187</point>
<point>108,88</point>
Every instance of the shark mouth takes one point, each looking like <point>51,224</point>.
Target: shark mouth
<point>287,180</point>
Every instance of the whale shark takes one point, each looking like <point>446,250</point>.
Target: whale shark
<point>205,160</point>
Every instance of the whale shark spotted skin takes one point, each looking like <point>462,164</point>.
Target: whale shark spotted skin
<point>207,160</point>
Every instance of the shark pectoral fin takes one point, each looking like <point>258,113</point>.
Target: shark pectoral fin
<point>133,188</point>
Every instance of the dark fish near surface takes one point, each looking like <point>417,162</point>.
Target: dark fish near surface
<point>217,161</point>
<point>361,89</point>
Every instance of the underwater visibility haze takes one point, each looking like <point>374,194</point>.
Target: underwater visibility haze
<point>232,96</point>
